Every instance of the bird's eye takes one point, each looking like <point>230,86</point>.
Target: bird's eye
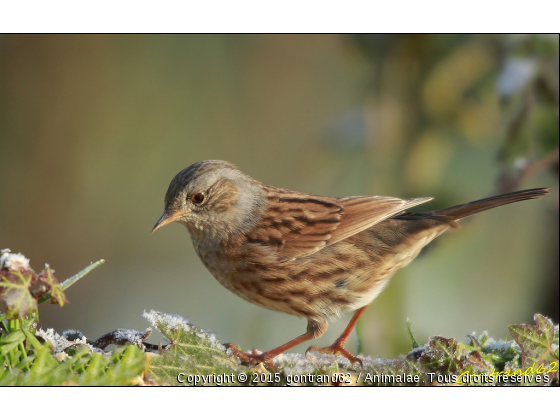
<point>198,198</point>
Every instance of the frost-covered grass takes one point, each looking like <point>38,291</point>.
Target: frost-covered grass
<point>193,356</point>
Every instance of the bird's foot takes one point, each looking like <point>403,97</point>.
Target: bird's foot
<point>336,349</point>
<point>254,357</point>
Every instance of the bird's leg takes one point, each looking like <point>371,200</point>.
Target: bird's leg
<point>266,358</point>
<point>314,329</point>
<point>338,346</point>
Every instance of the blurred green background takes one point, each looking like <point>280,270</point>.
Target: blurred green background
<point>93,129</point>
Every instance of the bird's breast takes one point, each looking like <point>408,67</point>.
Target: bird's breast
<point>322,285</point>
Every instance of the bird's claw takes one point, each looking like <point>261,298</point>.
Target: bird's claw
<point>336,349</point>
<point>252,358</point>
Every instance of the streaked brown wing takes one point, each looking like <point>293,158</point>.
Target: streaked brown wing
<point>363,212</point>
<point>299,224</point>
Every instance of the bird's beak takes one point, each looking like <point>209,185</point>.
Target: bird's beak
<point>167,217</point>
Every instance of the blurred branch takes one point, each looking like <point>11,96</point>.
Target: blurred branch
<point>538,166</point>
<point>528,88</point>
<point>527,170</point>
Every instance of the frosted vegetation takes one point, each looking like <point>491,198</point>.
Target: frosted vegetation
<point>193,356</point>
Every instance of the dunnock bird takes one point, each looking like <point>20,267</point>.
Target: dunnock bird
<point>305,255</point>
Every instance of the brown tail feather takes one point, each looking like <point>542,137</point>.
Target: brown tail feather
<point>464,210</point>
<point>455,213</point>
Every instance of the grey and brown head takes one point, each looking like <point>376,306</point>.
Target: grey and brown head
<point>212,196</point>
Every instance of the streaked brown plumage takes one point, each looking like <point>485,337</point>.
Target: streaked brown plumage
<point>305,255</point>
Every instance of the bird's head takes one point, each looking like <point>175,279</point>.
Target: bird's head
<point>212,198</point>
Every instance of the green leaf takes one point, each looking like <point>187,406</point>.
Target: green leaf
<point>191,351</point>
<point>536,343</point>
<point>483,338</point>
<point>415,344</point>
<point>125,366</point>
<point>441,356</point>
<point>11,341</point>
<point>15,290</point>
<point>35,344</point>
<point>56,291</point>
